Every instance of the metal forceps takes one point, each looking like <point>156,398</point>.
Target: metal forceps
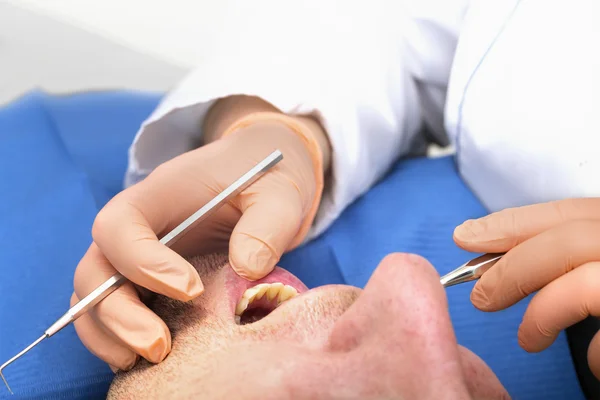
<point>471,270</point>
<point>114,282</point>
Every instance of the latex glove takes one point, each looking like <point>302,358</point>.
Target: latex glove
<point>271,216</point>
<point>552,247</point>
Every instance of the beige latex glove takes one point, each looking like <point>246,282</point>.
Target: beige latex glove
<point>271,216</point>
<point>552,247</point>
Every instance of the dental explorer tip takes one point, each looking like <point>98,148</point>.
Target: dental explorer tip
<point>6,364</point>
<point>4,379</point>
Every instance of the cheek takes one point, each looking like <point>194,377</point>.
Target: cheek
<point>214,299</point>
<point>250,370</point>
<point>481,381</point>
<point>308,321</point>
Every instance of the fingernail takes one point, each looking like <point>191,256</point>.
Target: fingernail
<point>188,283</point>
<point>195,286</point>
<point>255,261</point>
<point>126,364</point>
<point>131,363</point>
<point>469,231</point>
<point>157,351</point>
<point>521,339</point>
<point>145,336</point>
<point>155,346</point>
<point>479,297</point>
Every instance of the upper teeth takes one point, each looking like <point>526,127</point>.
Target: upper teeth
<point>271,290</point>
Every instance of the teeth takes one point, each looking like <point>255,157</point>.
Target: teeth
<point>241,306</point>
<point>286,293</point>
<point>271,290</point>
<point>251,293</point>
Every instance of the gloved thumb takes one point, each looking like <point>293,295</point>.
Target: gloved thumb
<point>270,224</point>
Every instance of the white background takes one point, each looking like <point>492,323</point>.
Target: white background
<point>65,46</point>
<point>155,27</point>
<point>72,45</point>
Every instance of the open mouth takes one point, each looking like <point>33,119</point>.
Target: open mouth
<point>255,300</point>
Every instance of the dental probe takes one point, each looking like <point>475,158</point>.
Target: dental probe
<point>117,280</point>
<point>471,270</point>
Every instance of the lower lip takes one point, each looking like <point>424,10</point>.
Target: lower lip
<point>236,285</point>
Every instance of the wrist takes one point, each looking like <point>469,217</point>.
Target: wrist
<point>225,112</point>
<point>228,114</point>
<point>300,146</point>
<point>315,129</point>
<point>310,142</point>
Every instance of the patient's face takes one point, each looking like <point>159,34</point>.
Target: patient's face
<point>392,340</point>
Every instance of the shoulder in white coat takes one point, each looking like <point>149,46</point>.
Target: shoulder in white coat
<point>523,101</point>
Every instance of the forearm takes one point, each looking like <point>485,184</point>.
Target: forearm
<point>227,111</point>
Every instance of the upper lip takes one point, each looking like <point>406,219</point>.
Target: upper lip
<point>236,285</point>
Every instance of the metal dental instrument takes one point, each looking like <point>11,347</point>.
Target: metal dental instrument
<point>471,270</point>
<point>114,282</point>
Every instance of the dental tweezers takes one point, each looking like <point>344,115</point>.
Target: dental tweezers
<point>471,270</point>
<point>114,282</point>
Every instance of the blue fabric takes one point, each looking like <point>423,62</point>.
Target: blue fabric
<point>62,158</point>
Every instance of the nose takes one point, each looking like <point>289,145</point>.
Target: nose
<point>399,329</point>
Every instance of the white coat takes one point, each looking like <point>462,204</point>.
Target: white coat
<point>514,85</point>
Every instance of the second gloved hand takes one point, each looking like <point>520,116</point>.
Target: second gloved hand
<point>551,248</point>
<point>270,217</point>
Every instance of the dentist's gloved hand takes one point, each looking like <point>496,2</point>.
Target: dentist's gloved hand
<point>552,247</point>
<point>270,217</point>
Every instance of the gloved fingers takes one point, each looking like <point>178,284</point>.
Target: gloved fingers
<point>102,345</point>
<point>301,169</point>
<point>126,238</point>
<point>562,303</point>
<point>122,314</point>
<point>503,230</point>
<point>593,355</point>
<point>537,262</point>
<point>269,223</point>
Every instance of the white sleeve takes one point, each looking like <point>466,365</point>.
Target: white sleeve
<point>344,62</point>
